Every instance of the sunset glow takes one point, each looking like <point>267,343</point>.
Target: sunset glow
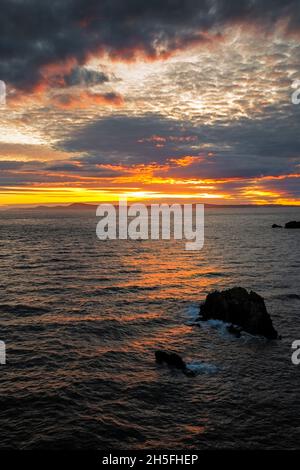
<point>149,235</point>
<point>211,120</point>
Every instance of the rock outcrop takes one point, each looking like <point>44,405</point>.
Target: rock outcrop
<point>292,224</point>
<point>276,226</point>
<point>234,330</point>
<point>238,307</point>
<point>172,360</point>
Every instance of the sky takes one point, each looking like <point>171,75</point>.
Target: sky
<point>173,100</point>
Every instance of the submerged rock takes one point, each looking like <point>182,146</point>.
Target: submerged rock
<point>235,331</point>
<point>238,307</point>
<point>173,360</point>
<point>292,224</point>
<point>276,226</point>
<point>170,358</point>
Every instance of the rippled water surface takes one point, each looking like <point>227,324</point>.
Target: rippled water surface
<point>82,318</point>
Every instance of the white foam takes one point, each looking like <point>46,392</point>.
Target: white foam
<point>202,368</point>
<point>193,312</point>
<point>218,325</point>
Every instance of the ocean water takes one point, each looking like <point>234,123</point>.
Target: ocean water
<point>82,318</point>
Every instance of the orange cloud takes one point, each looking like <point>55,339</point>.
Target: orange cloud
<point>86,99</point>
<point>187,160</point>
<point>81,100</point>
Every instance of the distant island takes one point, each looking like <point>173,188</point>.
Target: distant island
<point>78,206</point>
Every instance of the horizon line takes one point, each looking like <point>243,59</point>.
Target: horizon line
<point>79,205</point>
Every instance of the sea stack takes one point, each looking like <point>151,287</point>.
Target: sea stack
<point>173,360</point>
<point>238,307</point>
<point>292,224</point>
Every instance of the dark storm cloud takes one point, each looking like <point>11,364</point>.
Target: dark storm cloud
<point>14,173</point>
<point>78,76</point>
<point>86,169</point>
<point>35,33</point>
<point>247,148</point>
<point>84,76</point>
<point>10,165</point>
<point>131,140</point>
<point>291,186</point>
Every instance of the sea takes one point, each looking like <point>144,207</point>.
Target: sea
<point>82,318</point>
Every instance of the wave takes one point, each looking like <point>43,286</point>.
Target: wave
<point>23,309</point>
<point>202,367</point>
<point>288,297</point>
<point>123,289</point>
<point>193,312</point>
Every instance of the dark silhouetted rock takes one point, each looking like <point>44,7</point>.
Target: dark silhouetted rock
<point>235,331</point>
<point>238,307</point>
<point>188,372</point>
<point>276,226</point>
<point>292,224</point>
<point>172,360</point>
